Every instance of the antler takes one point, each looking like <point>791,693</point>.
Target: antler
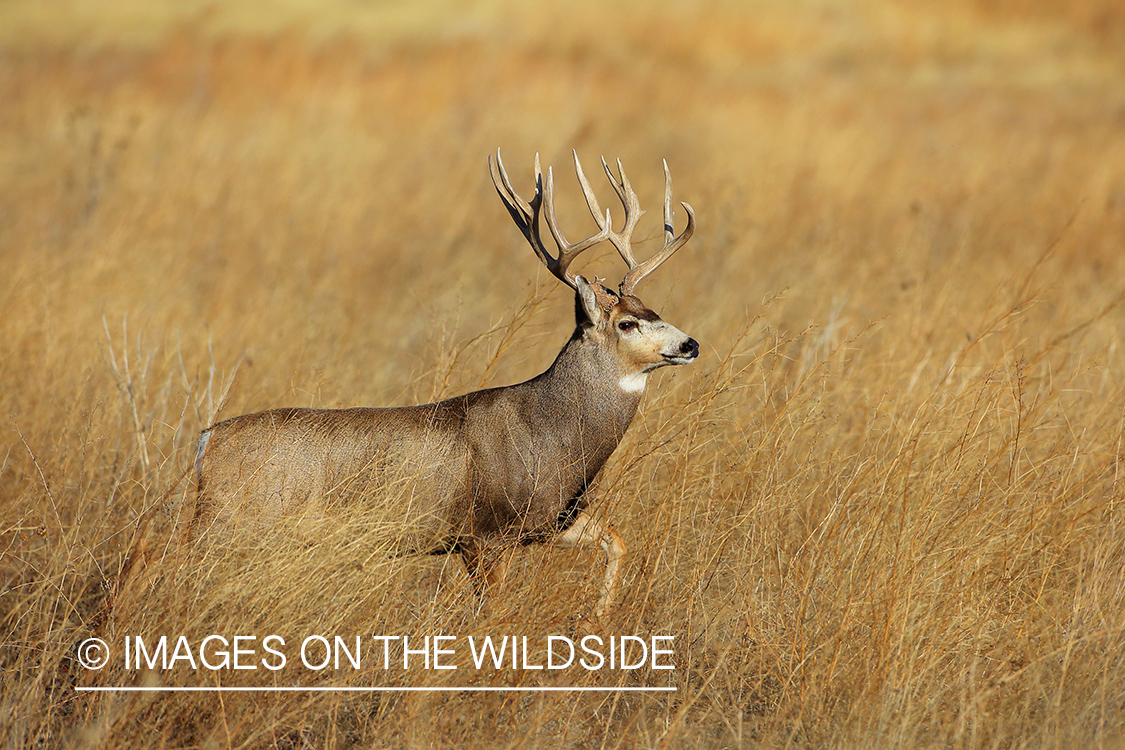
<point>526,216</point>
<point>623,240</point>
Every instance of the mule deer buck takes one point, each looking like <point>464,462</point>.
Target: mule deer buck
<point>486,472</point>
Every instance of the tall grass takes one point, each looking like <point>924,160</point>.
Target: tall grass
<point>883,509</point>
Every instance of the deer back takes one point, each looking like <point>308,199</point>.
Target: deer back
<point>409,462</point>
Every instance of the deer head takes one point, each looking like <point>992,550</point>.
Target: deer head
<point>618,323</point>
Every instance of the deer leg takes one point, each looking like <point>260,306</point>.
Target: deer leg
<point>474,566</point>
<point>487,567</point>
<point>586,532</point>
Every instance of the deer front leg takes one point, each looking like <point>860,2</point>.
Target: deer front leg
<point>586,532</point>
<point>487,567</point>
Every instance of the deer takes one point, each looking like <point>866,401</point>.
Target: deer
<point>484,473</point>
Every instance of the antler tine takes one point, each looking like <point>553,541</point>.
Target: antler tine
<point>526,216</point>
<point>672,243</point>
<point>669,227</point>
<point>568,251</point>
<point>588,193</point>
<point>521,211</point>
<point>623,240</point>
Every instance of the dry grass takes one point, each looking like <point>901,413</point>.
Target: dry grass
<point>884,509</point>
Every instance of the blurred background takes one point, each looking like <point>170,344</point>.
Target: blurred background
<point>224,165</point>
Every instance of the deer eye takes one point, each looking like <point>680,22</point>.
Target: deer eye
<point>627,325</point>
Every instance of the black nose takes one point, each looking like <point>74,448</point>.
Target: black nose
<point>690,348</point>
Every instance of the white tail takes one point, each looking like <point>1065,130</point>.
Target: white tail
<point>490,470</point>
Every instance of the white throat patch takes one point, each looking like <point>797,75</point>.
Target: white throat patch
<point>634,383</point>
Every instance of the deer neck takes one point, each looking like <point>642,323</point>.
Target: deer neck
<point>585,382</point>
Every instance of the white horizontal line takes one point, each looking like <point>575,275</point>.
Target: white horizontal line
<point>299,689</point>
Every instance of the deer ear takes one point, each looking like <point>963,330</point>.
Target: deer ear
<point>586,303</point>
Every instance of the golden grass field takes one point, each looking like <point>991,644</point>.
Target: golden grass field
<point>886,507</point>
